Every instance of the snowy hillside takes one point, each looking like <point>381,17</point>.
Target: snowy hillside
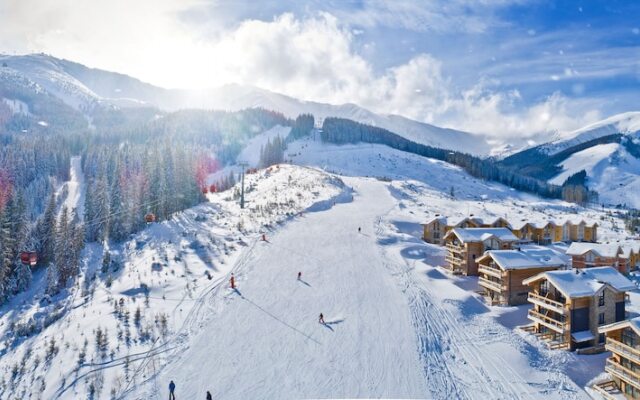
<point>151,295</point>
<point>626,124</point>
<point>160,307</point>
<point>235,97</point>
<point>82,88</point>
<point>611,171</point>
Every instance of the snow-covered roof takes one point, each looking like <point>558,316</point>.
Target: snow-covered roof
<point>442,220</point>
<point>455,221</point>
<point>525,258</point>
<point>600,249</point>
<point>576,221</point>
<point>519,224</point>
<point>584,282</point>
<point>633,323</point>
<point>481,234</point>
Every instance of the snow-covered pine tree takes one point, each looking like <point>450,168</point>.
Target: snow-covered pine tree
<point>53,279</point>
<point>47,231</point>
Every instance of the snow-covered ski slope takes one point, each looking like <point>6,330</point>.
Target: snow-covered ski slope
<point>266,341</point>
<point>399,326</point>
<point>72,192</point>
<point>396,327</point>
<point>612,171</point>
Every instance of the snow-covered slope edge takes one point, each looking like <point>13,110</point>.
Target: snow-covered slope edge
<point>165,272</point>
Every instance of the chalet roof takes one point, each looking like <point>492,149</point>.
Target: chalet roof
<point>455,221</point>
<point>576,221</point>
<point>600,249</point>
<point>490,220</point>
<point>467,235</point>
<point>524,258</point>
<point>541,223</point>
<point>442,220</point>
<point>627,249</point>
<point>633,323</point>
<point>519,224</point>
<point>586,282</point>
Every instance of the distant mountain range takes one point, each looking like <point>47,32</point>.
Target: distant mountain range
<point>83,88</point>
<point>608,151</point>
<point>49,90</point>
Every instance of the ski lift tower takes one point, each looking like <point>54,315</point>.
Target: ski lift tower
<point>243,165</point>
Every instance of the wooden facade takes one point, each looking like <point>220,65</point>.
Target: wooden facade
<point>623,341</point>
<point>434,230</point>
<point>463,251</point>
<point>502,280</point>
<point>571,320</point>
<point>599,255</point>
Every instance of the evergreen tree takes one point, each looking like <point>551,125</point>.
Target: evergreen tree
<point>53,279</point>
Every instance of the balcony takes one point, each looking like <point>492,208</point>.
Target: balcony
<point>491,285</point>
<point>547,303</point>
<point>622,349</point>
<point>618,371</point>
<point>455,248</point>
<point>553,324</point>
<point>491,271</point>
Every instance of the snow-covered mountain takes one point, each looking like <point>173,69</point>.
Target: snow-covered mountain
<point>608,151</point>
<point>83,88</point>
<point>626,124</point>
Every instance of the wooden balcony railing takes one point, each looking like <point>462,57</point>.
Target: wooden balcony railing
<point>489,284</point>
<point>488,270</point>
<point>547,303</point>
<point>625,374</point>
<point>624,350</point>
<point>547,321</point>
<point>455,248</point>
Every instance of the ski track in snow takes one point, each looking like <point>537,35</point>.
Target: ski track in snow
<point>264,342</point>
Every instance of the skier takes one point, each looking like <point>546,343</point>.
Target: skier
<point>233,281</point>
<point>264,237</point>
<point>321,319</point>
<point>209,396</point>
<point>299,275</point>
<point>172,388</point>
<point>359,229</point>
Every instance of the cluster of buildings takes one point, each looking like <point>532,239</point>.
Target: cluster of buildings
<point>577,291</point>
<point>540,232</point>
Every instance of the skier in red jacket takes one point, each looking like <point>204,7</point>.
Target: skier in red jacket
<point>233,281</point>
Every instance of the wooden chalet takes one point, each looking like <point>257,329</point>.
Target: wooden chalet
<point>464,246</point>
<point>570,305</point>
<point>623,341</point>
<point>588,255</point>
<point>502,272</point>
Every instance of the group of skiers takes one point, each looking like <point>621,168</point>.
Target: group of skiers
<point>232,282</point>
<point>172,389</point>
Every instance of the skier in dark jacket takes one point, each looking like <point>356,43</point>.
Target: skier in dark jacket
<point>172,388</point>
<point>209,396</point>
<point>321,319</point>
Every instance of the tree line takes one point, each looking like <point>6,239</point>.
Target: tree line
<point>342,131</point>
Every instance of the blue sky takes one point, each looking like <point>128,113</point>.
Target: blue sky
<point>505,67</point>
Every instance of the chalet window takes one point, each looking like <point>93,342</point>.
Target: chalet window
<point>590,258</point>
<point>629,337</point>
<point>601,318</point>
<point>436,234</point>
<point>601,299</point>
<point>544,288</point>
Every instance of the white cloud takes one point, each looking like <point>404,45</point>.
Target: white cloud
<point>312,58</point>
